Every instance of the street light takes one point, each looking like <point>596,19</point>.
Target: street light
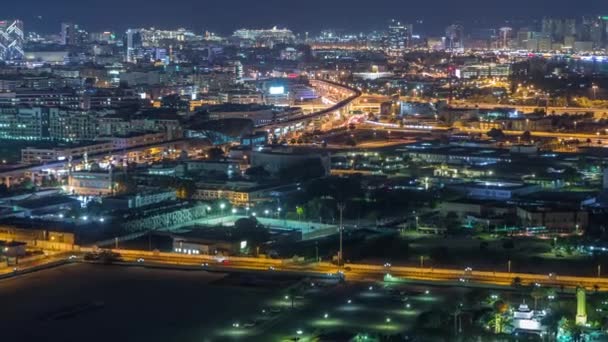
<point>222,207</point>
<point>594,87</point>
<point>341,207</point>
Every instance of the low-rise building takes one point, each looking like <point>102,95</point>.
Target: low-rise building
<point>142,198</point>
<point>63,152</point>
<point>495,190</point>
<point>553,219</point>
<point>213,168</point>
<point>12,249</point>
<point>276,160</point>
<point>92,183</point>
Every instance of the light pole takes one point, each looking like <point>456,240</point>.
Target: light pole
<point>599,271</point>
<point>222,207</point>
<point>509,266</point>
<point>594,87</point>
<point>341,207</point>
<point>422,261</point>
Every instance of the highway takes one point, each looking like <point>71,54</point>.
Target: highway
<point>597,112</point>
<point>540,134</point>
<point>350,271</point>
<point>352,95</point>
<point>358,272</point>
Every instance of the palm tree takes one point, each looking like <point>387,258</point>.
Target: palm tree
<point>516,282</point>
<point>537,293</point>
<point>499,320</point>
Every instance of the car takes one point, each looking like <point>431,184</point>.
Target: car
<point>140,260</point>
<point>72,257</point>
<point>249,324</point>
<point>205,264</point>
<point>275,310</point>
<point>271,268</point>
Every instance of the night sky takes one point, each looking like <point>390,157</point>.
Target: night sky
<point>312,15</point>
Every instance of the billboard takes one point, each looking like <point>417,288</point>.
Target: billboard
<point>278,90</point>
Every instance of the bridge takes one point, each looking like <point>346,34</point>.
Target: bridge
<point>332,90</point>
<point>361,272</point>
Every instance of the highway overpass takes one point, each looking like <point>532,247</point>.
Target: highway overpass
<point>337,90</point>
<point>365,272</point>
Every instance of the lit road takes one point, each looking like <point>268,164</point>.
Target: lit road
<point>359,272</point>
<point>345,94</point>
<point>540,134</point>
<point>352,272</point>
<point>597,112</point>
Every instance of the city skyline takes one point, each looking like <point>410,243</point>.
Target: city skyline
<point>429,17</point>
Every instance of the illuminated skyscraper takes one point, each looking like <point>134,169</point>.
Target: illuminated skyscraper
<point>133,42</point>
<point>398,38</point>
<point>72,35</point>
<point>11,40</point>
<point>454,35</point>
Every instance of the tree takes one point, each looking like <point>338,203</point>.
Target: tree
<point>215,153</point>
<point>351,141</point>
<point>309,169</point>
<point>526,136</point>
<point>249,230</point>
<point>300,212</point>
<point>508,244</point>
<point>496,134</point>
<point>451,221</point>
<point>516,282</point>
<point>483,246</point>
<point>570,328</point>
<point>499,320</point>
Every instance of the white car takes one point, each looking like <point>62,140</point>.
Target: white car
<point>140,260</point>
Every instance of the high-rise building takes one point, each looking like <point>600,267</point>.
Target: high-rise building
<point>557,29</point>
<point>266,37</point>
<point>72,35</point>
<point>133,43</point>
<point>398,38</point>
<point>505,37</point>
<point>11,40</point>
<point>454,35</point>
